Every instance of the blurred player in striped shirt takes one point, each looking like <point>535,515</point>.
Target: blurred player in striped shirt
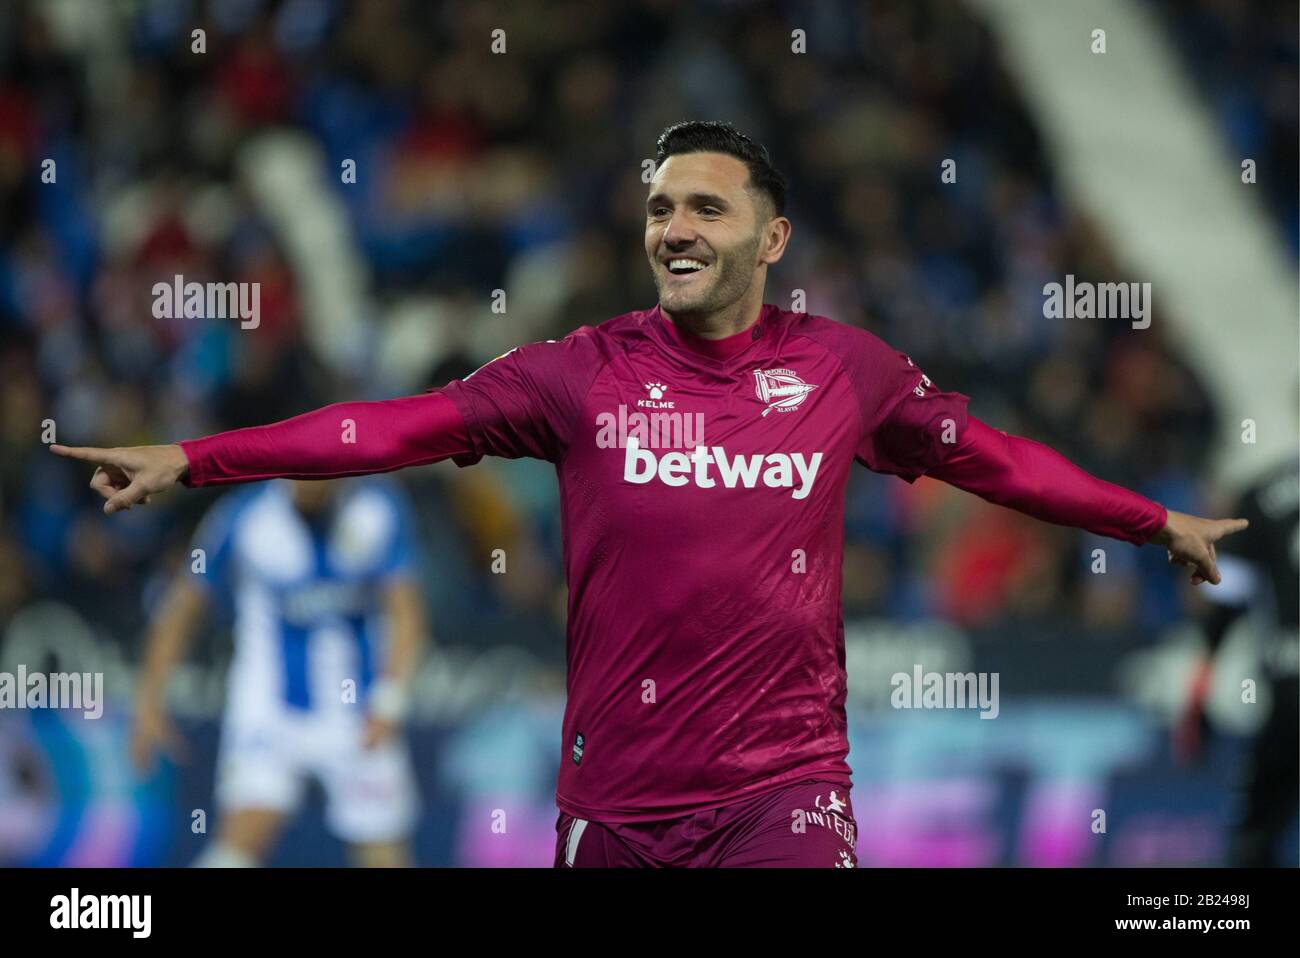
<point>328,624</point>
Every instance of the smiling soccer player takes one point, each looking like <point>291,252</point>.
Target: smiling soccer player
<point>706,680</point>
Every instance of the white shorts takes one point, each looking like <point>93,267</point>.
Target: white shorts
<point>264,763</point>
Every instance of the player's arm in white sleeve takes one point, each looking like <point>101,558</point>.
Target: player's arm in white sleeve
<point>205,572</point>
<point>408,626</point>
<point>406,617</point>
<point>171,631</point>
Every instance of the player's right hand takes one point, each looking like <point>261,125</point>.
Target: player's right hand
<point>131,474</point>
<point>152,732</point>
<point>1190,541</point>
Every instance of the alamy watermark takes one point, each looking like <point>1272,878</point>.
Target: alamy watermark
<point>650,430</point>
<point>1086,300</point>
<point>946,690</point>
<point>128,912</point>
<point>57,690</point>
<point>181,300</point>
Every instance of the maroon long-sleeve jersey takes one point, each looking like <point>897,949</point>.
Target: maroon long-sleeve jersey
<point>702,486</point>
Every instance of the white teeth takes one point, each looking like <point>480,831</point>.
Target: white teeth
<point>686,264</point>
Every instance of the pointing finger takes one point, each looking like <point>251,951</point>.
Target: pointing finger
<point>1227,527</point>
<point>84,453</point>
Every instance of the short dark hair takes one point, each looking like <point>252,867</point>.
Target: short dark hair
<point>714,136</point>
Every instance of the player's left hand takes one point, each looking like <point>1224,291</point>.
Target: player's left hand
<point>1190,541</point>
<point>378,731</point>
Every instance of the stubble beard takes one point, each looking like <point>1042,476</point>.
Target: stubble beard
<point>735,273</point>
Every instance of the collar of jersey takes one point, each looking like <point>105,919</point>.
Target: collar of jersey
<point>721,351</point>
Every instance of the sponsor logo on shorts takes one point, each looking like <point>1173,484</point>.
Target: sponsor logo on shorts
<point>827,814</point>
<point>833,803</point>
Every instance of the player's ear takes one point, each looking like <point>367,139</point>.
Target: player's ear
<point>775,238</point>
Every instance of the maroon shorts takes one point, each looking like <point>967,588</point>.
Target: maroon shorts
<point>805,824</point>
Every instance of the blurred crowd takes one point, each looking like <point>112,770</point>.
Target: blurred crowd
<point>1242,59</point>
<point>522,171</point>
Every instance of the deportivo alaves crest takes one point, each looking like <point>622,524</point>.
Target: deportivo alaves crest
<point>782,389</point>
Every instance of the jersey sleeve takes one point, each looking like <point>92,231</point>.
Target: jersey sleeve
<point>909,424</point>
<point>343,439</point>
<point>1037,480</point>
<point>525,403</point>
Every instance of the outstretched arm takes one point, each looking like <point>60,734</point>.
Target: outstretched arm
<point>344,439</point>
<point>1031,478</point>
<point>523,403</point>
